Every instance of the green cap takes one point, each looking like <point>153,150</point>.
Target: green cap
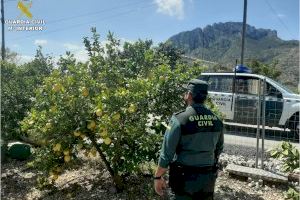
<point>197,86</point>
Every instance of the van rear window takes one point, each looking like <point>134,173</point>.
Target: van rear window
<point>220,83</point>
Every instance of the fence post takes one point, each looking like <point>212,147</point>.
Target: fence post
<point>263,122</point>
<point>258,122</point>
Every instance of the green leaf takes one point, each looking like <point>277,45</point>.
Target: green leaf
<point>274,153</point>
<point>283,145</point>
<point>286,167</point>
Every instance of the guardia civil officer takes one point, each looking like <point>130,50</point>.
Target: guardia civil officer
<point>191,148</point>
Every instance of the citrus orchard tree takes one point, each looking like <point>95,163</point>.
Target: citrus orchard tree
<point>17,90</point>
<point>116,105</point>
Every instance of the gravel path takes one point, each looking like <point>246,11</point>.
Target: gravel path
<point>90,181</point>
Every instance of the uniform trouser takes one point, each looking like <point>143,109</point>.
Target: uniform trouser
<point>197,187</point>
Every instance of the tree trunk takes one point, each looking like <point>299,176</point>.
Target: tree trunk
<point>118,180</point>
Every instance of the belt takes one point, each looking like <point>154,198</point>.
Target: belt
<point>194,169</point>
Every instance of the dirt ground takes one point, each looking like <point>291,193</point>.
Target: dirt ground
<point>91,181</point>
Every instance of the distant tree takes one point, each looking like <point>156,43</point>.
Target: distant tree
<point>10,56</point>
<point>220,68</point>
<point>18,84</point>
<point>269,70</point>
<point>172,53</point>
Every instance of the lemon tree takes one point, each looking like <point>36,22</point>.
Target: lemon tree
<point>116,105</point>
<point>17,90</point>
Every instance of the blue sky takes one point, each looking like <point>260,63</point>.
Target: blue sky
<point>68,21</point>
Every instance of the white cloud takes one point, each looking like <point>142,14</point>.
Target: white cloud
<point>79,51</point>
<point>171,7</point>
<point>70,46</point>
<point>81,55</point>
<point>22,59</point>
<point>281,15</point>
<point>40,42</point>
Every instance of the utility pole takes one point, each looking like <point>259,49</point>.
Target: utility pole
<point>3,39</point>
<point>202,44</point>
<point>244,31</point>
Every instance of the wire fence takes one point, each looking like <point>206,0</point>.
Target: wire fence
<point>256,113</point>
<point>268,116</point>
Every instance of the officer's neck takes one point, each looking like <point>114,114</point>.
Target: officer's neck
<point>190,102</point>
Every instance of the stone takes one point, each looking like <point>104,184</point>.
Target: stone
<point>257,186</point>
<point>256,173</point>
<point>113,190</point>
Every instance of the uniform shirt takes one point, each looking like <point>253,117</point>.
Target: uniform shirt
<point>194,138</point>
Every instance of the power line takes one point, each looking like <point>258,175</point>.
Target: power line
<point>91,13</point>
<point>3,32</point>
<point>77,25</point>
<point>95,13</point>
<point>280,20</point>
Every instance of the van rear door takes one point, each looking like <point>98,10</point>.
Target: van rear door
<point>246,101</point>
<point>220,92</point>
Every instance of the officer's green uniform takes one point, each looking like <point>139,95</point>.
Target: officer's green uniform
<point>194,139</point>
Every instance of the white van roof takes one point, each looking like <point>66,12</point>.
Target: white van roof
<point>232,74</point>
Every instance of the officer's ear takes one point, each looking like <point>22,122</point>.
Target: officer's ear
<point>189,96</point>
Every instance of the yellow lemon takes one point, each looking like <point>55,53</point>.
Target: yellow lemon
<point>91,125</point>
<point>161,78</point>
<point>116,117</point>
<point>43,142</point>
<point>99,112</point>
<point>67,158</point>
<point>79,146</point>
<point>85,92</point>
<point>82,136</point>
<point>56,87</point>
<point>48,125</point>
<point>54,177</point>
<point>123,93</point>
<point>93,152</point>
<point>132,108</point>
<point>66,152</point>
<point>107,141</point>
<point>57,147</point>
<point>76,133</point>
<point>53,109</point>
<point>103,132</point>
